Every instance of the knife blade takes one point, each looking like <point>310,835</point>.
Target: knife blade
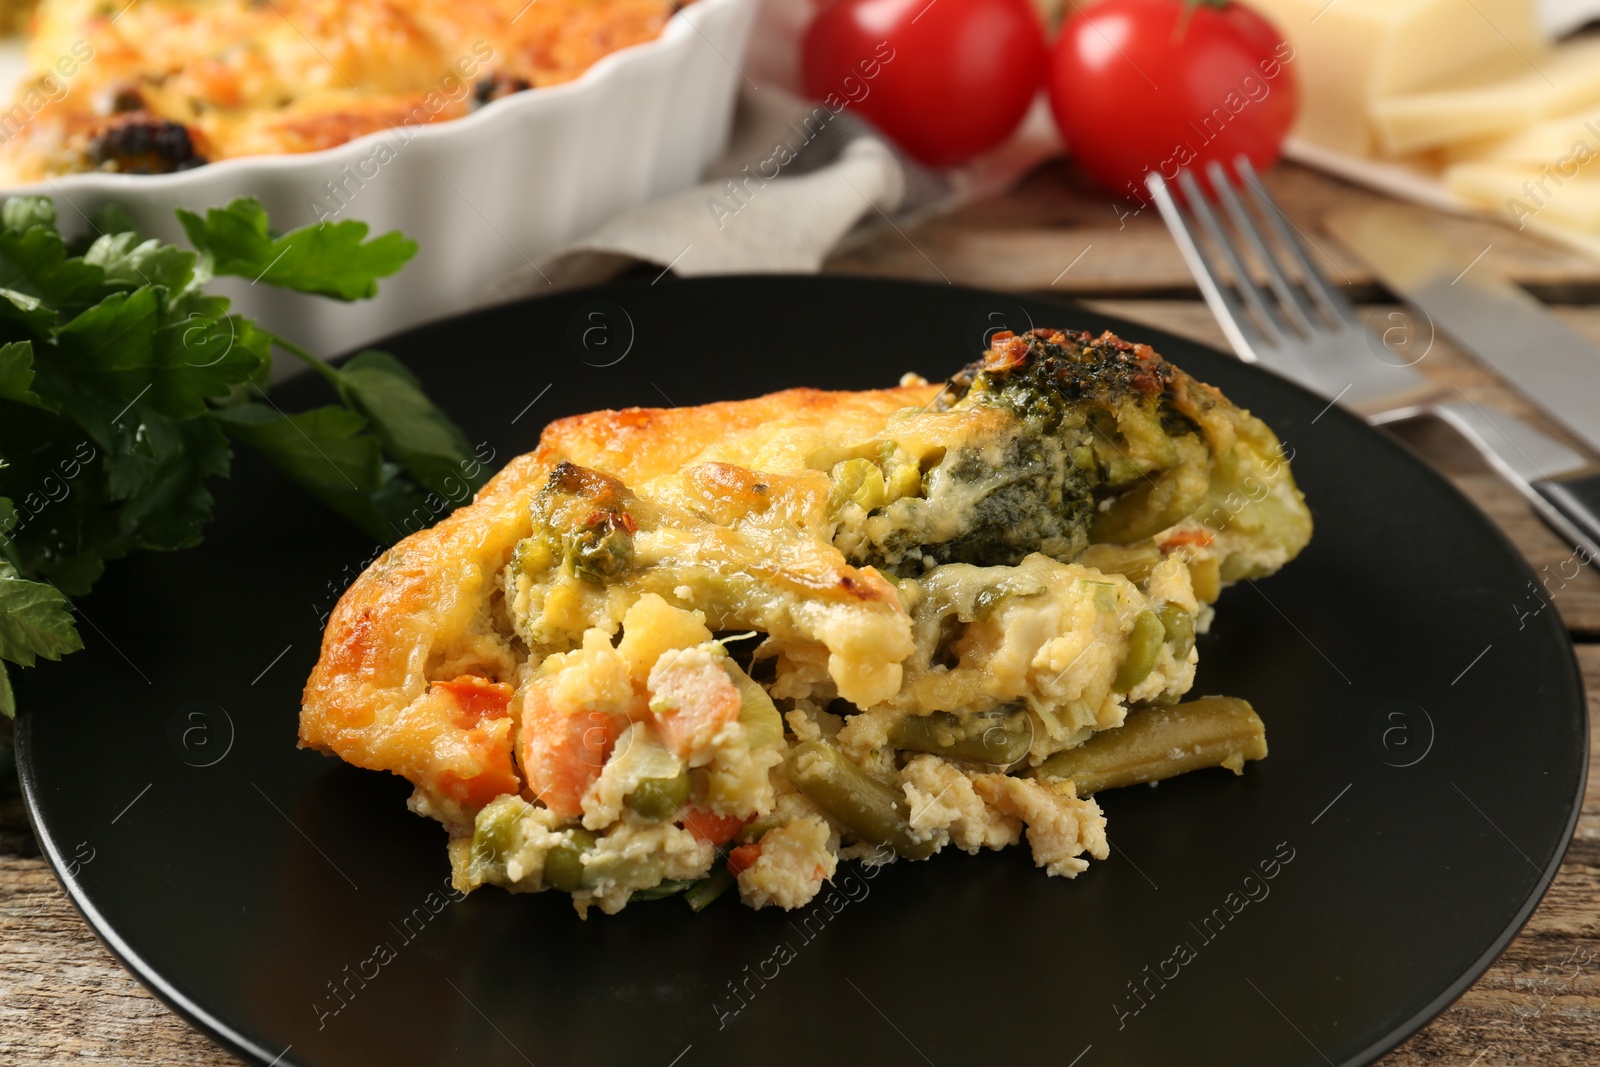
<point>1487,316</point>
<point>1549,474</point>
<point>1504,327</point>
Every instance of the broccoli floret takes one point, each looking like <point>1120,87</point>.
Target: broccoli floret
<point>1106,443</point>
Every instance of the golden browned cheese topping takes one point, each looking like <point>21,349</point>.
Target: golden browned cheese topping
<point>162,85</point>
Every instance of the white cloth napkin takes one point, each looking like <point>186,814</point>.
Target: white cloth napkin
<point>796,185</point>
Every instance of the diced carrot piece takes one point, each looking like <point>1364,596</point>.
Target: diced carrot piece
<point>691,700</point>
<point>706,826</point>
<point>743,858</point>
<point>489,746</point>
<point>1200,537</point>
<point>477,699</point>
<point>563,751</point>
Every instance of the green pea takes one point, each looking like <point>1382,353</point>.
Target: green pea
<point>563,864</point>
<point>1144,645</point>
<point>986,601</point>
<point>660,798</point>
<point>1179,627</point>
<point>868,808</point>
<point>603,550</point>
<point>495,836</point>
<point>858,480</point>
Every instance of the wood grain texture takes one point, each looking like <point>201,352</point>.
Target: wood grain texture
<point>1027,240</point>
<point>63,996</point>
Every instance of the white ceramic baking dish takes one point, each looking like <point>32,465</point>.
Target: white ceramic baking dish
<point>482,195</point>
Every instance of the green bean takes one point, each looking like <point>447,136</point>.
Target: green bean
<point>663,890</point>
<point>999,737</point>
<point>1179,627</point>
<point>1144,644</point>
<point>872,811</point>
<point>637,872</point>
<point>563,864</point>
<point>1159,501</point>
<point>659,798</point>
<point>707,889</point>
<point>1157,743</point>
<point>752,830</point>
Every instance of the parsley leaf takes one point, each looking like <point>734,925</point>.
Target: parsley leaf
<point>16,373</point>
<point>129,262</point>
<point>34,260</point>
<point>424,441</point>
<point>328,452</point>
<point>161,482</point>
<point>123,383</point>
<point>332,259</point>
<point>35,620</point>
<point>8,522</point>
<point>23,317</point>
<point>25,212</point>
<point>134,349</point>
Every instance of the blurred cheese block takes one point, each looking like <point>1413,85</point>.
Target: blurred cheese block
<point>1522,193</point>
<point>1553,141</point>
<point>1584,241</point>
<point>1458,104</point>
<point>1564,80</point>
<point>1351,53</point>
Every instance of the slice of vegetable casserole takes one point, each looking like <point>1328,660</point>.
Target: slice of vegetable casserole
<point>674,649</point>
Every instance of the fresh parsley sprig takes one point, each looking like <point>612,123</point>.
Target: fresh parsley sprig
<point>123,383</point>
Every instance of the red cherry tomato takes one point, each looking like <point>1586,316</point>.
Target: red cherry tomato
<point>945,79</point>
<point>1154,85</point>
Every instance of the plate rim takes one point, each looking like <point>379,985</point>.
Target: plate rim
<point>233,1041</point>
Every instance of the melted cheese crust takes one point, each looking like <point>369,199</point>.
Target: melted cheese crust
<point>253,77</point>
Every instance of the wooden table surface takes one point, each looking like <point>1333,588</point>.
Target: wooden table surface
<point>63,995</point>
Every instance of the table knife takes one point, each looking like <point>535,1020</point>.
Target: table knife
<point>1505,328</point>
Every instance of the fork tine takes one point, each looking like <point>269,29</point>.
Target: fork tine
<point>1274,327</point>
<point>1247,341</point>
<point>1332,300</point>
<point>1294,306</point>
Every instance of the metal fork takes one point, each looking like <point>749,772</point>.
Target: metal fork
<point>1310,333</point>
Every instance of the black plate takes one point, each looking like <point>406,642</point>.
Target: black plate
<point>1427,733</point>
